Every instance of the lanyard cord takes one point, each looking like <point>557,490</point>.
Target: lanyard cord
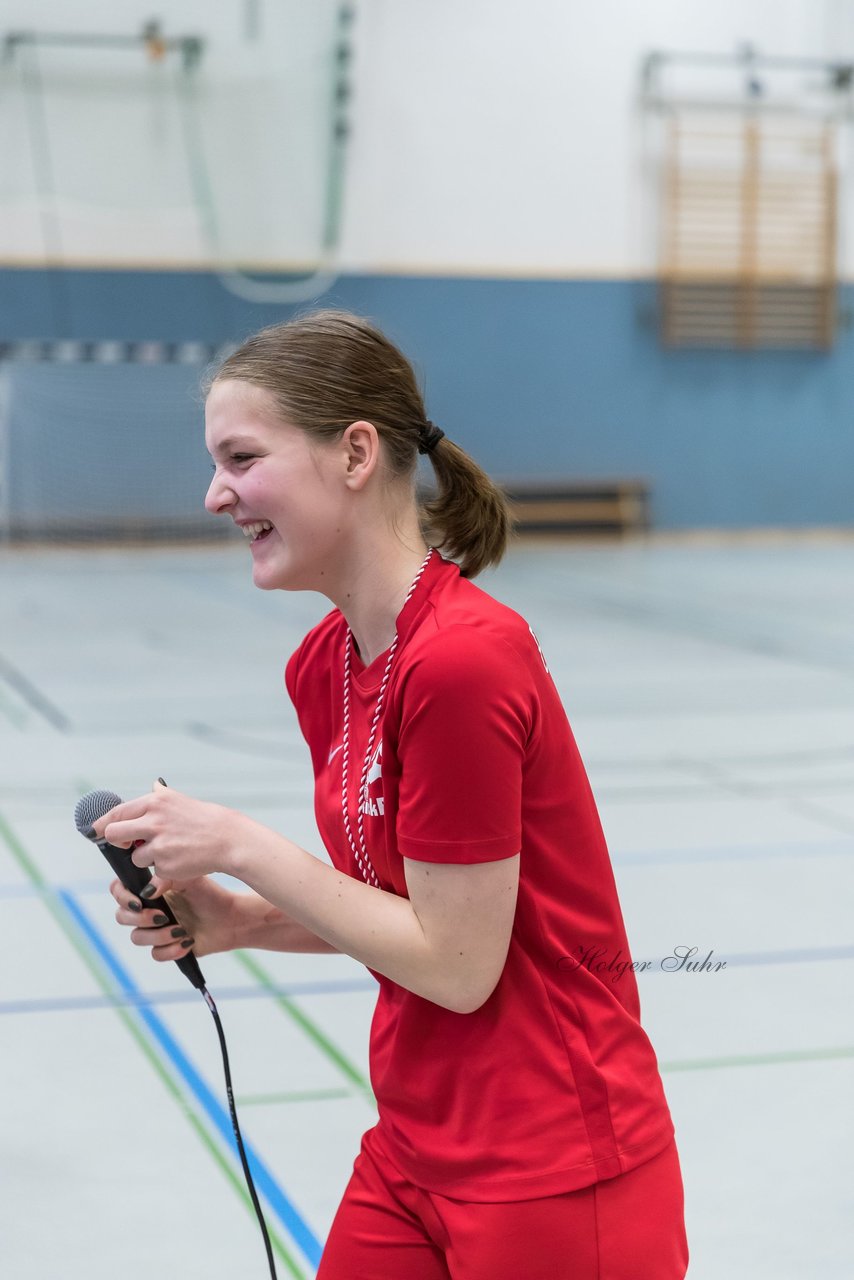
<point>360,853</point>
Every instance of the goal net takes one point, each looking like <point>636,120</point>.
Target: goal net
<point>105,448</point>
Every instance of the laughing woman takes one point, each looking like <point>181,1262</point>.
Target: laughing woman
<point>523,1130</point>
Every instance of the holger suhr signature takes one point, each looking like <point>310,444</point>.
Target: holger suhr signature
<point>681,960</point>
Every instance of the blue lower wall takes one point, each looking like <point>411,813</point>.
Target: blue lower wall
<point>533,377</point>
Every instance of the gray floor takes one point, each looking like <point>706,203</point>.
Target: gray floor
<point>711,689</point>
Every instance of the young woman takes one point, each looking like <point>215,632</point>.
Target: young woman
<point>523,1131</point>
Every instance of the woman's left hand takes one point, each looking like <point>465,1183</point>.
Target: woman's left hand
<point>184,837</point>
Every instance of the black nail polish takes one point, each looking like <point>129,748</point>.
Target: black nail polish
<point>148,892</point>
<point>134,906</point>
<point>162,783</point>
<point>178,932</point>
<point>161,919</point>
<point>90,833</point>
<point>188,942</point>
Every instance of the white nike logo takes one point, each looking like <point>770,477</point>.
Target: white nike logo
<point>334,753</point>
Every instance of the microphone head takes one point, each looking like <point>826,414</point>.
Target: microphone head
<point>93,806</point>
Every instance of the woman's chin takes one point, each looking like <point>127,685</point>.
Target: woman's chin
<point>270,577</point>
<point>266,568</point>
<point>276,573</point>
<point>277,566</point>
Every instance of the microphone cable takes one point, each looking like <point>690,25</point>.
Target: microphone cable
<point>209,1001</point>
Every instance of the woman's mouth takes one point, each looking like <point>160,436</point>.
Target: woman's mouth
<point>257,530</point>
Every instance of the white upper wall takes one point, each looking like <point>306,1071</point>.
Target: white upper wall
<point>488,135</point>
<point>508,136</point>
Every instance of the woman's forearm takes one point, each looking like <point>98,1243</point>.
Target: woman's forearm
<point>260,925</point>
<point>377,928</point>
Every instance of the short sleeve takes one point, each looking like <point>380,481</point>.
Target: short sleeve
<point>466,709</point>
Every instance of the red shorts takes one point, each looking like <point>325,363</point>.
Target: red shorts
<point>631,1227</point>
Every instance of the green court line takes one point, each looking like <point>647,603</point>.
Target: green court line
<point>32,873</point>
<point>758,1059</point>
<point>314,1033</point>
<point>304,1095</point>
<point>27,865</point>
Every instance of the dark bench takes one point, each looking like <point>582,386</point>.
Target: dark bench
<point>579,506</point>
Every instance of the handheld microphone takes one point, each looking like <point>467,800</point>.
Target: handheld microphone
<point>88,810</point>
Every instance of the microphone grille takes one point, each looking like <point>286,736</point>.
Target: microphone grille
<point>92,806</point>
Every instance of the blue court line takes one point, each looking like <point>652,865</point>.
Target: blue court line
<point>747,959</point>
<point>61,1004</point>
<point>266,1183</point>
<point>840,847</point>
<point>792,956</point>
<point>143,1000</point>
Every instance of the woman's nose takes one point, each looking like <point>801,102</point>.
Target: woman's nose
<point>219,497</point>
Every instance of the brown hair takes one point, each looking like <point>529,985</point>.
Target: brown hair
<point>326,369</point>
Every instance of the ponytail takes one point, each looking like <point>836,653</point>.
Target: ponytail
<point>469,518</point>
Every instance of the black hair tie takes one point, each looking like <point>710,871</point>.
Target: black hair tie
<point>429,436</point>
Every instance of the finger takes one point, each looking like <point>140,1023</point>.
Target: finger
<point>130,907</point>
<point>169,936</point>
<point>145,918</point>
<point>128,916</point>
<point>125,831</point>
<point>122,895</point>
<point>127,810</point>
<point>158,885</point>
<point>155,888</point>
<point>127,899</point>
<point>141,854</point>
<point>174,950</point>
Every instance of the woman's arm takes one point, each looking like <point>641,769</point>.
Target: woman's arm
<point>447,942</point>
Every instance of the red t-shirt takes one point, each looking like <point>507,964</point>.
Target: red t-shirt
<point>552,1084</point>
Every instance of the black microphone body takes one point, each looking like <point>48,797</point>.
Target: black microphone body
<point>134,878</point>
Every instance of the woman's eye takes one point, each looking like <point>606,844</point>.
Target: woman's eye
<point>237,458</point>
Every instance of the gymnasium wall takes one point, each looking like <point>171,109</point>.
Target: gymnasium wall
<point>500,221</point>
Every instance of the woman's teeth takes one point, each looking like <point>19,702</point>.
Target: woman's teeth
<point>255,530</point>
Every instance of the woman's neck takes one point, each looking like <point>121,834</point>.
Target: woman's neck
<point>375,594</point>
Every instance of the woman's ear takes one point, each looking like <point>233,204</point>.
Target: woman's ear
<point>362,445</point>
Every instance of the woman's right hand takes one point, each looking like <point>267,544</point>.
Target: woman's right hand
<point>205,911</point>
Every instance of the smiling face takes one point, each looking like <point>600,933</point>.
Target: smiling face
<point>269,471</point>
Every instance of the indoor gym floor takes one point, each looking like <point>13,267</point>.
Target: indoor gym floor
<point>710,685</point>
